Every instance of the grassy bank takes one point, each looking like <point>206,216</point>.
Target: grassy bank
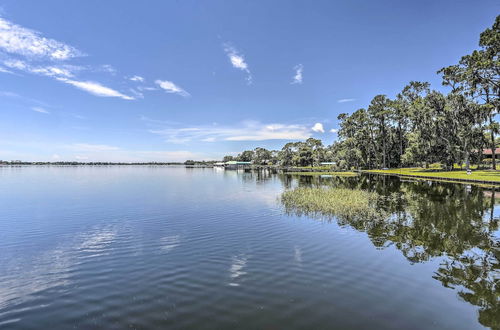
<point>340,202</point>
<point>324,173</point>
<point>476,175</point>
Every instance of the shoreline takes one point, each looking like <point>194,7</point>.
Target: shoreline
<point>440,178</point>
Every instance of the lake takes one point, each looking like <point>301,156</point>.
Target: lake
<point>202,248</point>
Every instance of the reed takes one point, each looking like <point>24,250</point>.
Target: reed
<point>339,202</point>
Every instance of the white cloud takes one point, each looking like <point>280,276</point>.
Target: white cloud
<point>334,130</point>
<point>40,109</point>
<point>297,79</point>
<point>147,88</point>
<point>16,39</point>
<point>170,87</point>
<point>248,131</point>
<point>4,70</point>
<point>47,70</point>
<point>137,78</point>
<point>53,71</point>
<point>318,128</point>
<point>238,61</point>
<point>62,73</point>
<point>95,88</point>
<point>15,64</point>
<point>345,100</point>
<point>137,94</point>
<point>37,50</point>
<point>107,68</point>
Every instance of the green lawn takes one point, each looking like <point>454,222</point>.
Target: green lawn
<point>478,175</point>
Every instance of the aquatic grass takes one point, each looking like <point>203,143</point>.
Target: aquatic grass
<point>339,202</point>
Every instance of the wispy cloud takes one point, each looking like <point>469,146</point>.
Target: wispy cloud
<point>96,88</point>
<point>16,39</point>
<point>170,87</point>
<point>40,109</point>
<point>4,70</point>
<point>238,61</point>
<point>48,70</point>
<point>334,130</point>
<point>63,73</point>
<point>137,94</point>
<point>107,68</point>
<point>137,78</point>
<point>247,131</point>
<point>297,79</point>
<point>318,128</point>
<point>345,100</point>
<point>39,53</point>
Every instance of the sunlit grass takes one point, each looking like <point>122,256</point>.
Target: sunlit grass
<point>340,202</point>
<point>479,175</point>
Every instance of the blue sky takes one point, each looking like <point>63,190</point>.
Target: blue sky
<point>173,80</point>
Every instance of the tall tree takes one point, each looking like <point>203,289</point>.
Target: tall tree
<point>379,111</point>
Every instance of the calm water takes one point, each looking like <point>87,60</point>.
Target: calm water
<point>177,248</point>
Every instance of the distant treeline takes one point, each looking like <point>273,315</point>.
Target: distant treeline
<point>419,126</point>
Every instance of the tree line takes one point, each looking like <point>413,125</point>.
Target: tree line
<point>418,127</point>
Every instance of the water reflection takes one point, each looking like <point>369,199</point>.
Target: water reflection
<point>426,220</point>
<point>236,270</point>
<point>168,243</point>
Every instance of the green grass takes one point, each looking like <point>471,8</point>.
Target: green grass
<point>478,175</point>
<point>340,202</point>
<point>324,173</point>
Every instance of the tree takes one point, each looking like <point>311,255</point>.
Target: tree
<point>246,156</point>
<point>286,155</point>
<point>379,112</point>
<point>261,156</point>
<point>317,150</point>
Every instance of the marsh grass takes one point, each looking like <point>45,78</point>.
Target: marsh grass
<point>327,202</point>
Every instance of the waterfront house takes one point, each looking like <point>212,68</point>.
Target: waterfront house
<point>234,164</point>
<point>487,153</point>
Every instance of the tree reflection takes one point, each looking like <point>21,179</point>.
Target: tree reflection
<point>427,220</point>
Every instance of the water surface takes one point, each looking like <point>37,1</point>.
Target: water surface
<point>180,248</point>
